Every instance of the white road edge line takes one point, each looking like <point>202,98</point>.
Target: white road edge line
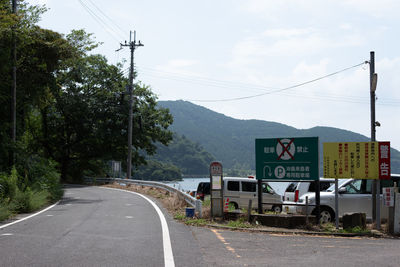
<point>168,255</point>
<point>28,217</point>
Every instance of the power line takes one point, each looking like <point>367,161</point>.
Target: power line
<point>203,80</point>
<point>122,31</point>
<point>279,90</point>
<point>180,77</point>
<point>99,20</point>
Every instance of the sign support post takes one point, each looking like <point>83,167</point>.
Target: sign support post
<point>259,184</point>
<point>216,189</point>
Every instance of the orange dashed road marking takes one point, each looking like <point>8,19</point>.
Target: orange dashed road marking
<point>222,239</point>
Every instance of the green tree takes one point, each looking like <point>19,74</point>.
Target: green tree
<point>86,116</point>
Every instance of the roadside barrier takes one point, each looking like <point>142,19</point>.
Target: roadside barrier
<point>188,198</point>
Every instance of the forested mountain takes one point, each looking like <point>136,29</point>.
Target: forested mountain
<point>232,141</point>
<point>189,157</point>
<point>181,157</point>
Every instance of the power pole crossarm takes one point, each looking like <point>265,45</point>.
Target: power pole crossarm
<point>132,46</point>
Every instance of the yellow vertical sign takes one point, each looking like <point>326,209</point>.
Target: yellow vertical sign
<point>351,160</point>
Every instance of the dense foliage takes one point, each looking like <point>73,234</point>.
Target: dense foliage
<point>72,109</point>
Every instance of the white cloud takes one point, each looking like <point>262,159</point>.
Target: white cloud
<point>290,42</point>
<point>381,8</point>
<point>39,2</point>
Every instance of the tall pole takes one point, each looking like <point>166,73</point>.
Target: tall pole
<point>14,85</point>
<point>132,46</point>
<point>375,184</point>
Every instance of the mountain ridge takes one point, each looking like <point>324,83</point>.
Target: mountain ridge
<point>232,140</point>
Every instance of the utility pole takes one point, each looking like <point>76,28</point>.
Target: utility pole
<point>132,46</point>
<point>376,183</point>
<point>14,86</point>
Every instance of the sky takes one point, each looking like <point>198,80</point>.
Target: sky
<point>256,59</point>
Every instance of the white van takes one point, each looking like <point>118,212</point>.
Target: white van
<point>240,190</point>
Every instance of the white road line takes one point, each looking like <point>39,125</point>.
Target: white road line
<point>28,217</point>
<point>7,234</point>
<point>168,255</point>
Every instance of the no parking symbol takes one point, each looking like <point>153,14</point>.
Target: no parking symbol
<point>285,149</point>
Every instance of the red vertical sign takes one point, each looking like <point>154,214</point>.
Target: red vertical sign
<point>384,160</point>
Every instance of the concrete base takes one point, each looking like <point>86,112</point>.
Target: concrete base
<point>282,220</point>
<point>351,220</point>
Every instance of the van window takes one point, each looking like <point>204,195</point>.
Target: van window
<point>249,187</point>
<point>233,185</point>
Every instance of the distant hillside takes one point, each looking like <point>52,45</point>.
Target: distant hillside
<point>232,141</point>
<point>189,157</point>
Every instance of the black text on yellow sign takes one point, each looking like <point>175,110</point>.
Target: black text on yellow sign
<point>360,160</point>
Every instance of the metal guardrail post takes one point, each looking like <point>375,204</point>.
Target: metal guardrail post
<point>199,206</point>
<point>249,210</point>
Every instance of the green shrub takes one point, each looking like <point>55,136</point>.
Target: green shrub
<point>39,199</point>
<point>22,201</point>
<point>5,213</point>
<point>8,185</point>
<point>43,175</point>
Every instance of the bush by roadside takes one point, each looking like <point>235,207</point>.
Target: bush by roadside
<point>39,187</point>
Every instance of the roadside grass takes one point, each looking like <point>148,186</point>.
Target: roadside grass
<point>176,206</point>
<point>331,228</point>
<point>23,202</point>
<point>38,187</point>
<point>240,223</point>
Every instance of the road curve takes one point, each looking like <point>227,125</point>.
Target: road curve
<point>92,226</point>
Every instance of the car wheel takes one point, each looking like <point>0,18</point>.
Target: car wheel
<point>277,209</point>
<point>327,215</point>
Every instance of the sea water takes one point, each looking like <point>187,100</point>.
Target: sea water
<point>190,184</point>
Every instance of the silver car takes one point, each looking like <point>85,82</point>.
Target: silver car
<point>354,196</point>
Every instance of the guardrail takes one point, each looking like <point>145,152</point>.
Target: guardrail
<point>188,198</point>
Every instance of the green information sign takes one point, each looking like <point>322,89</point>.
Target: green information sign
<point>287,158</point>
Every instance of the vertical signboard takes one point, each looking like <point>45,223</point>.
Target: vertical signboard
<point>216,188</point>
<point>287,158</point>
<point>360,160</point>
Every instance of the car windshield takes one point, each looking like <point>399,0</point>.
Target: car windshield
<point>267,189</point>
<point>340,183</point>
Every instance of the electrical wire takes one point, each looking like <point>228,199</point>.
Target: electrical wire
<point>99,20</point>
<point>116,26</point>
<point>146,71</point>
<point>278,90</point>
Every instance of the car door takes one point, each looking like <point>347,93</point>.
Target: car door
<point>269,196</point>
<point>232,191</point>
<point>356,198</point>
<point>248,191</point>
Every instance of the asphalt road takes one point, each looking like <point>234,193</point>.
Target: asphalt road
<point>93,226</point>
<point>262,249</point>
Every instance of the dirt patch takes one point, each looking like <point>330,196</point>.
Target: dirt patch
<point>171,201</point>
